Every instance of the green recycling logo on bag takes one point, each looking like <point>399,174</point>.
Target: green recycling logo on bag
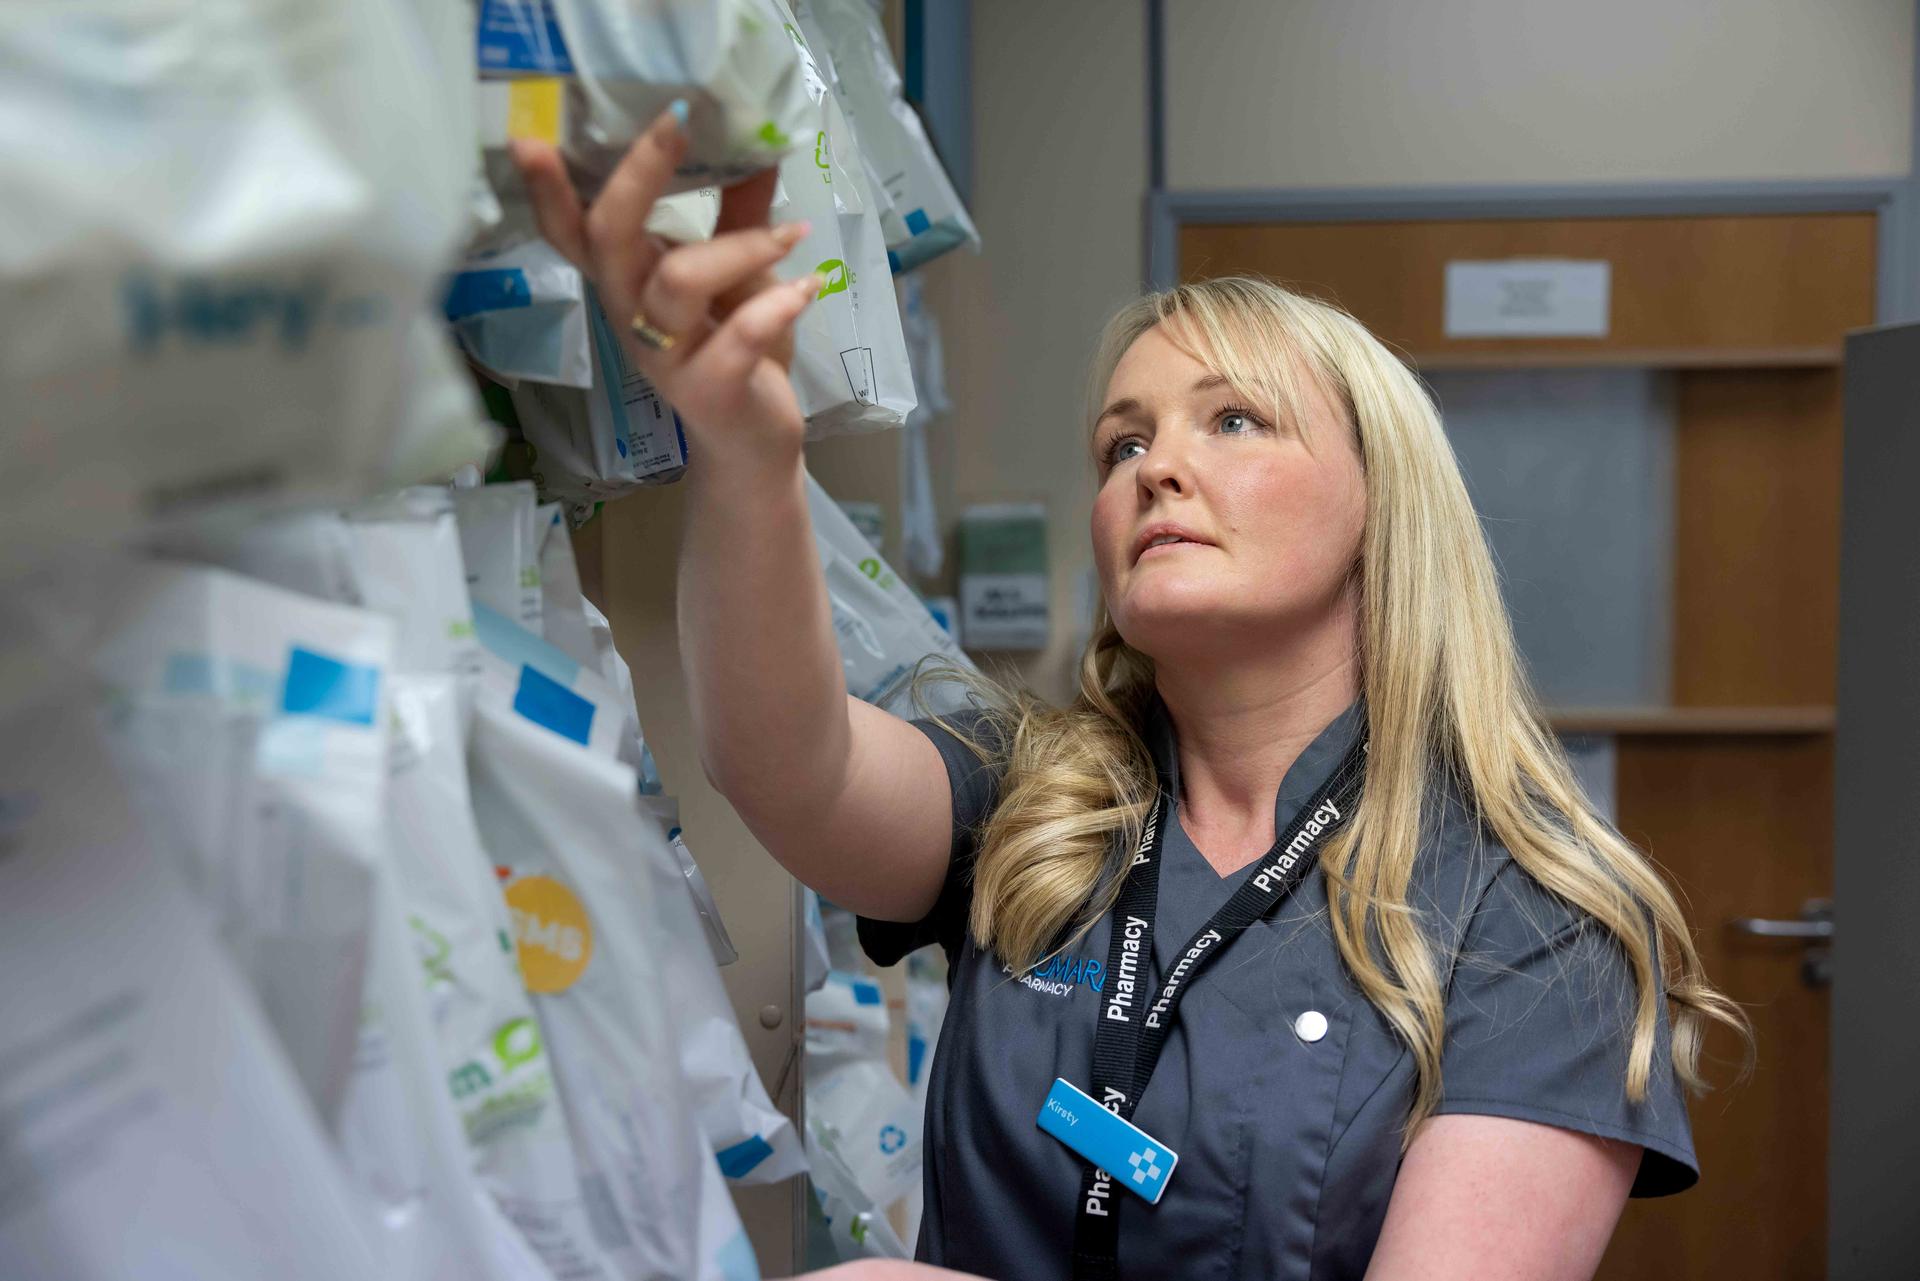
<point>823,157</point>
<point>839,277</point>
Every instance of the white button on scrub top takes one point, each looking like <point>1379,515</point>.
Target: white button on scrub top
<point>1310,1026</point>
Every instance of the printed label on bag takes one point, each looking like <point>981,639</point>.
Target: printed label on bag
<point>520,36</point>
<point>552,929</point>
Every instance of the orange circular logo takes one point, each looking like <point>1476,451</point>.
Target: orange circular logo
<point>554,935</point>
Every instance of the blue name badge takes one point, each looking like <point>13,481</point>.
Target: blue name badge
<point>1131,1157</point>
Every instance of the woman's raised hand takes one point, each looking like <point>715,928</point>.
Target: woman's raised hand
<point>729,322</point>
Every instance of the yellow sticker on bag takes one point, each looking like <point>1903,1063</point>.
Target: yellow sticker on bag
<point>550,926</point>
<point>535,108</point>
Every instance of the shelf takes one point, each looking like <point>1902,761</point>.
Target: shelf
<point>1630,357</point>
<point>1691,720</point>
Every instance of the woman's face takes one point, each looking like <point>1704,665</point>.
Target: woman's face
<point>1264,531</point>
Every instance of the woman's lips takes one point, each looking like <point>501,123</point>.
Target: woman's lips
<point>1168,547</point>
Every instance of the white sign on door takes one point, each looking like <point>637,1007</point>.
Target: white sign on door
<point>1528,298</point>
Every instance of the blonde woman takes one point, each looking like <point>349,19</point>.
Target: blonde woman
<point>1300,885</point>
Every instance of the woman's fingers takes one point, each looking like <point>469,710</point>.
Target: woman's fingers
<point>623,252</point>
<point>556,205</point>
<point>719,298</point>
<point>745,205</point>
<point>733,299</point>
<point>687,282</point>
<point>756,328</point>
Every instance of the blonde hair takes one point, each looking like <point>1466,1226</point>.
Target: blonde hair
<point>1443,687</point>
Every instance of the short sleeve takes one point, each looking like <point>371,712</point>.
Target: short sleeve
<point>976,790</point>
<point>1539,1023</point>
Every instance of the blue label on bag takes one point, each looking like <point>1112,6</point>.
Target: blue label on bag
<point>487,289</point>
<point>916,1056</point>
<point>545,701</point>
<point>737,1160</point>
<point>521,35</point>
<point>1127,1154</point>
<point>507,639</point>
<point>321,686</point>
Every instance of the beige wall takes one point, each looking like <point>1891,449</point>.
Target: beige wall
<point>1283,93</point>
<point>1059,178</point>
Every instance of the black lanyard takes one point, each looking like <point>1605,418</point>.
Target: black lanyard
<point>1135,1014</point>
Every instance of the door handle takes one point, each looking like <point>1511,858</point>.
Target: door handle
<point>1814,927</point>
<point>1760,928</point>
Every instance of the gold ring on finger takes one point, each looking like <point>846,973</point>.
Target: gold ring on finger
<point>644,330</point>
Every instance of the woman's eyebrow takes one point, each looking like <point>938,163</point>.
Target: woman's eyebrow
<point>1129,406</point>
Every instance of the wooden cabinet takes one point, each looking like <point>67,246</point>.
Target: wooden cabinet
<point>1768,290</point>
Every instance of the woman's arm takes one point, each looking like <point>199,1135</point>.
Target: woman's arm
<point>1489,1198</point>
<point>852,801</point>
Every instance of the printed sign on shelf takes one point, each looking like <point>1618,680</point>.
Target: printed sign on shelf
<point>1528,298</point>
<point>1005,595</point>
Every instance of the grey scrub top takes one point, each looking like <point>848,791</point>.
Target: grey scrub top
<point>1288,1127</point>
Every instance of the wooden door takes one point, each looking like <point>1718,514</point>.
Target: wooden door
<point>1730,789</point>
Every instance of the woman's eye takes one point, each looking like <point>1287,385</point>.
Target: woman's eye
<point>1228,421</point>
<point>1120,450</point>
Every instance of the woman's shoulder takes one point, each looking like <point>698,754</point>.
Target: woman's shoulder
<point>978,726</point>
<point>1541,1003</point>
<point>1465,877</point>
<point>973,739</point>
<point>1479,903</point>
<point>973,734</point>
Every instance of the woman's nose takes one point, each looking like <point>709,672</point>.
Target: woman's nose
<point>1164,468</point>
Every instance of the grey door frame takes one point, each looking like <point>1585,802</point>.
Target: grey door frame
<point>1873,1127</point>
